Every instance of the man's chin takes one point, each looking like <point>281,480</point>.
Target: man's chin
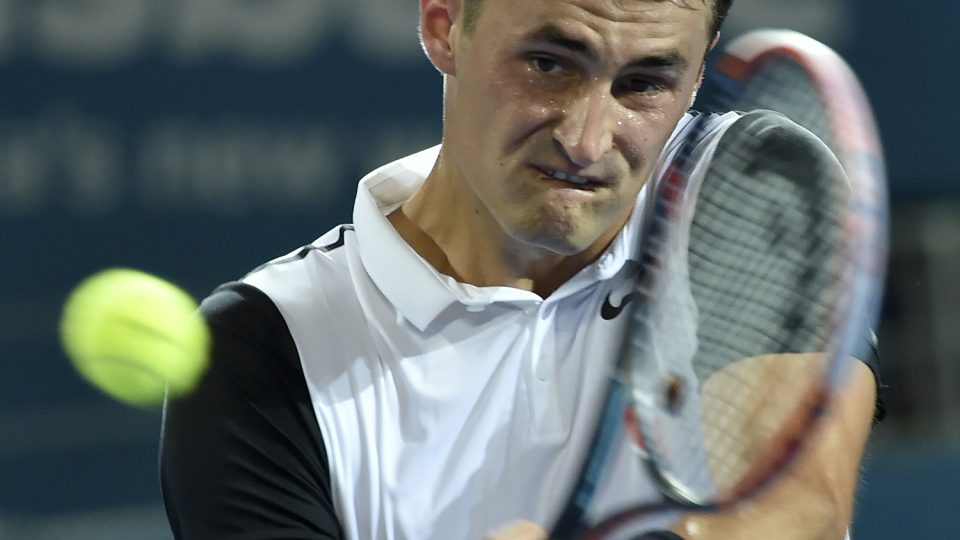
<point>559,240</point>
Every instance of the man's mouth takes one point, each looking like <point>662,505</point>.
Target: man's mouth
<point>584,181</point>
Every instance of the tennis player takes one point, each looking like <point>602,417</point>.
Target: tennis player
<point>432,371</point>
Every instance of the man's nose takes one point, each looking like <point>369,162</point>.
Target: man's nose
<point>586,130</point>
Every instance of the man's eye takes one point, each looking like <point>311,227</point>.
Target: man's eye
<point>546,65</point>
<point>641,86</point>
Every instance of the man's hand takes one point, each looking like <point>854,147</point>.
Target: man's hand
<point>521,530</point>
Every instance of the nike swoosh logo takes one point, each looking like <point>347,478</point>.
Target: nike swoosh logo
<point>609,311</point>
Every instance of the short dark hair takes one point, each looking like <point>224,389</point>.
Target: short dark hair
<point>471,12</point>
<point>720,10</point>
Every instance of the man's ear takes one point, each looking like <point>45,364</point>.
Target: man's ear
<point>716,39</point>
<point>439,30</point>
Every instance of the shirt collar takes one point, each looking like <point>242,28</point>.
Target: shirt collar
<point>412,285</point>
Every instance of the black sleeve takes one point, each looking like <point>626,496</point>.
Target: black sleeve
<point>242,457</point>
<point>868,353</point>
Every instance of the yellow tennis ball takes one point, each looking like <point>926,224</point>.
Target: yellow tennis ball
<point>133,335</point>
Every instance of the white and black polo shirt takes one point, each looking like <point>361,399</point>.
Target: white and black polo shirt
<point>355,392</point>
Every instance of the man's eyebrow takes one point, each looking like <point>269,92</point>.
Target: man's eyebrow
<point>551,33</point>
<point>669,59</point>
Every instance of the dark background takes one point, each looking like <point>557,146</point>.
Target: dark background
<point>195,139</point>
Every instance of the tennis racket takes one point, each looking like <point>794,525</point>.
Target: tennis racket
<point>760,273</point>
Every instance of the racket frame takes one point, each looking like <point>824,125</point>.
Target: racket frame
<point>859,152</point>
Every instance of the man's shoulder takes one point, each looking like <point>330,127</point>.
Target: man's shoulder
<point>323,261</point>
<point>773,140</point>
<point>265,294</point>
<point>767,119</point>
<point>245,311</point>
<point>317,287</point>
<point>301,308</point>
<point>720,124</point>
<point>702,134</point>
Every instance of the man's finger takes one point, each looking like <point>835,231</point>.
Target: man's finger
<point>521,530</point>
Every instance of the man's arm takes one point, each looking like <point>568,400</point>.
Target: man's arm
<point>243,456</point>
<point>813,499</point>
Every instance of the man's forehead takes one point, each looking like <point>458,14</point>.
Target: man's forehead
<point>616,9</point>
<point>560,21</point>
<point>705,7</point>
<point>690,4</point>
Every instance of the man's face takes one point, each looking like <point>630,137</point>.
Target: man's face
<point>558,109</point>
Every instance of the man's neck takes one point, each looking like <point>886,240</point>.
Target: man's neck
<point>469,247</point>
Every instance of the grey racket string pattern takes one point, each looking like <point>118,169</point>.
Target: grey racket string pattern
<point>785,86</point>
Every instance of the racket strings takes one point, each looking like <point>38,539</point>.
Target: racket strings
<point>764,272</point>
<point>725,252</point>
<point>785,86</point>
<point>757,275</point>
<point>768,319</point>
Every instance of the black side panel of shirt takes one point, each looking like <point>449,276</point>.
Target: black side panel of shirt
<point>242,457</point>
<point>868,352</point>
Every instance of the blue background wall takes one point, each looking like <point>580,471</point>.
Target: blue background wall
<point>196,139</point>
